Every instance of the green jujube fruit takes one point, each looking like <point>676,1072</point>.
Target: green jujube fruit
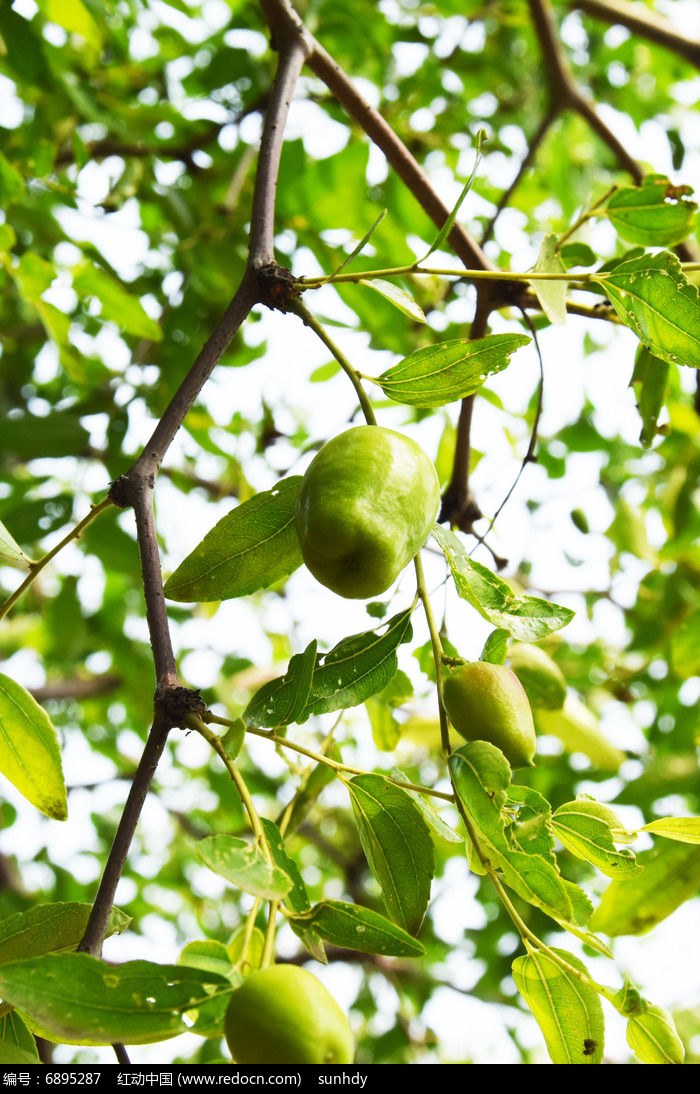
<point>487,702</point>
<point>365,508</point>
<point>284,1015</point>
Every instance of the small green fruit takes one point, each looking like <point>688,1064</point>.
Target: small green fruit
<point>487,702</point>
<point>365,508</point>
<point>284,1015</point>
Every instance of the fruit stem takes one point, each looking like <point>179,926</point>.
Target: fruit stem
<point>310,320</point>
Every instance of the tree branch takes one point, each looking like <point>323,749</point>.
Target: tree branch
<point>641,21</point>
<point>535,142</point>
<point>564,91</point>
<point>136,488</point>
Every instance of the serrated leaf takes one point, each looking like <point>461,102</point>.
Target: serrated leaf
<point>652,296</point>
<point>245,866</point>
<point>551,294</point>
<point>481,777</point>
<point>526,618</point>
<point>81,1000</point>
<point>441,374</point>
<point>670,876</point>
<point>285,700</point>
<point>397,845</point>
<point>358,928</point>
<point>585,831</point>
<point>568,1011</point>
<point>10,551</point>
<point>682,829</point>
<point>650,381</point>
<point>653,1038</point>
<point>251,547</point>
<point>358,667</point>
<point>29,752</point>
<point>50,928</point>
<point>398,297</point>
<point>17,1043</point>
<point>654,214</point>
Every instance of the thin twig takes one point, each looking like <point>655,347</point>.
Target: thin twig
<point>533,147</point>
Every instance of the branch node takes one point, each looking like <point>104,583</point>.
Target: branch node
<point>178,703</point>
<point>276,286</point>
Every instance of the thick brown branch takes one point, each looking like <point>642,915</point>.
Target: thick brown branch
<point>99,915</point>
<point>563,88</point>
<point>641,21</point>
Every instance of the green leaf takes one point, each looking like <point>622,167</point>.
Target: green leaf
<point>670,876</point>
<point>526,618</point>
<point>682,829</point>
<point>444,232</point>
<point>296,899</point>
<point>495,647</point>
<point>10,551</point>
<point>430,815</point>
<point>568,1011</point>
<point>551,294</point>
<point>397,845</point>
<point>577,254</point>
<point>285,700</point>
<point>245,866</point>
<point>74,17</point>
<point>652,296</point>
<point>655,214</point>
<point>29,752</point>
<point>50,928</point>
<point>17,1043</point>
<point>11,182</point>
<point>81,1000</point>
<point>386,730</point>
<point>357,928</point>
<point>653,1038</point>
<point>117,305</point>
<point>32,437</point>
<point>208,956</point>
<point>358,667</point>
<point>584,827</point>
<point>481,776</point>
<point>685,645</point>
<point>251,547</point>
<point>650,381</point>
<point>398,297</point>
<point>441,374</point>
